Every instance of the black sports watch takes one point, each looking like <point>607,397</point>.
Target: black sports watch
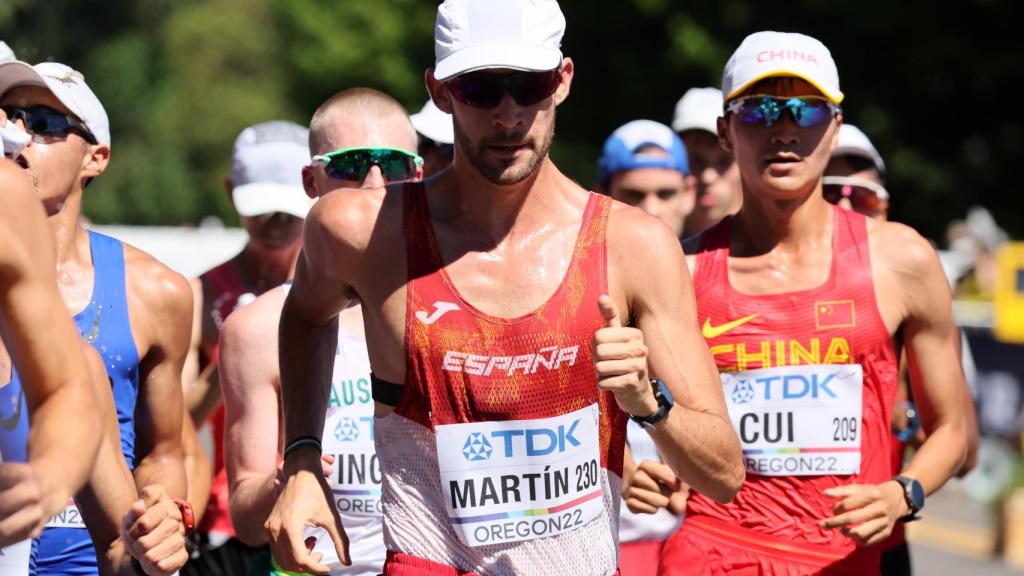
<point>664,398</point>
<point>914,495</point>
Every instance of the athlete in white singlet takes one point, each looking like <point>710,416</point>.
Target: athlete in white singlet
<point>359,121</point>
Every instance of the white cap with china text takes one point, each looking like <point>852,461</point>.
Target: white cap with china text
<point>768,54</point>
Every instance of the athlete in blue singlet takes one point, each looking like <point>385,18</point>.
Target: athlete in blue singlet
<point>37,474</point>
<point>133,310</point>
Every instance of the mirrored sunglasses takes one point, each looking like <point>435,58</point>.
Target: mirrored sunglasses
<point>354,164</point>
<point>864,195</point>
<point>486,89</point>
<point>806,111</point>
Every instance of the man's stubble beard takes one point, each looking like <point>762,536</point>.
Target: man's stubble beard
<point>507,174</point>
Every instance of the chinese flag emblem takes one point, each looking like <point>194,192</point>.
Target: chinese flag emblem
<point>834,314</point>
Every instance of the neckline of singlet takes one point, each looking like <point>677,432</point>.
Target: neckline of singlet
<point>721,261</point>
<point>418,191</point>
<point>77,316</point>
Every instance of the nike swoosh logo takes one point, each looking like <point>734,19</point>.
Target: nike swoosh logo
<point>710,331</point>
<point>440,309</point>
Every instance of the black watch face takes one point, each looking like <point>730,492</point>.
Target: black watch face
<point>916,494</point>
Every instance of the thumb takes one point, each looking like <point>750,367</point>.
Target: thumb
<point>609,311</point>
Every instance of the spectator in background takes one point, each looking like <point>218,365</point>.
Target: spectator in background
<point>436,138</point>
<point>855,175</point>
<point>718,178</point>
<point>266,188</point>
<point>644,165</point>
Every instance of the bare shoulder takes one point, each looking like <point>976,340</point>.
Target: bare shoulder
<point>256,321</point>
<point>345,218</point>
<point>634,234</point>
<point>156,286</point>
<point>901,250</point>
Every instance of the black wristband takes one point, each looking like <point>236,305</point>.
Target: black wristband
<point>302,441</point>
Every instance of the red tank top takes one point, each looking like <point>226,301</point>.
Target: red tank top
<point>467,373</point>
<point>836,323</point>
<point>225,286</point>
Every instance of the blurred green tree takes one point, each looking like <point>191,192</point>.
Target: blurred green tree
<point>181,78</point>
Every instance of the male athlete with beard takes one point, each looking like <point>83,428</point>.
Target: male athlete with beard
<point>502,371</point>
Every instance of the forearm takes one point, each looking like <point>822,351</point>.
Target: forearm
<point>306,356</point>
<point>251,501</point>
<point>940,457</point>
<point>164,468</point>
<point>63,441</point>
<point>703,451</point>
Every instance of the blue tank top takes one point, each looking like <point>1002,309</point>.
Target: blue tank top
<point>103,324</point>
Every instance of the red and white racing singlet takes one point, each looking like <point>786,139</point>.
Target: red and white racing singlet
<point>502,456</point>
<point>809,379</point>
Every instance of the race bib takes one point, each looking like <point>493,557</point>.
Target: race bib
<point>798,420</point>
<point>14,558</point>
<point>521,480</point>
<point>69,517</point>
<point>348,435</point>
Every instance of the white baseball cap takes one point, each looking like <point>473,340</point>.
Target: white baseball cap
<point>766,54</point>
<point>518,34</point>
<point>698,109</point>
<point>854,142</point>
<point>6,54</point>
<point>434,124</point>
<point>67,84</point>
<point>266,169</point>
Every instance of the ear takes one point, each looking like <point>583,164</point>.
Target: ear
<point>419,174</point>
<point>562,92</point>
<point>438,93</point>
<point>835,135</point>
<point>723,134</point>
<point>309,181</point>
<point>96,160</point>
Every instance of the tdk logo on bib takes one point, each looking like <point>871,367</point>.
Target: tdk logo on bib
<point>347,430</point>
<point>784,387</point>
<point>528,442</point>
<point>742,393</point>
<point>477,447</point>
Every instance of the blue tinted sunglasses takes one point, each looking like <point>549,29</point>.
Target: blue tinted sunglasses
<point>806,111</point>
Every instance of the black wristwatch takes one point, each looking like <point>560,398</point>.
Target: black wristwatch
<point>664,398</point>
<point>913,492</point>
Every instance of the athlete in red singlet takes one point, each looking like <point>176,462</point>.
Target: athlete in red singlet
<point>266,188</point>
<point>801,303</point>
<point>490,296</point>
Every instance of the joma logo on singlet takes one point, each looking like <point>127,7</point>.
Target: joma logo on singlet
<point>768,353</point>
<point>550,358</point>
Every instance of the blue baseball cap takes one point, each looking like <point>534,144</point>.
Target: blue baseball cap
<point>620,150</point>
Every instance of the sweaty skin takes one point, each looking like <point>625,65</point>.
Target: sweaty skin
<point>781,244</point>
<point>249,369</point>
<point>502,212</point>
<point>158,299</point>
<point>120,527</point>
<point>44,345</point>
